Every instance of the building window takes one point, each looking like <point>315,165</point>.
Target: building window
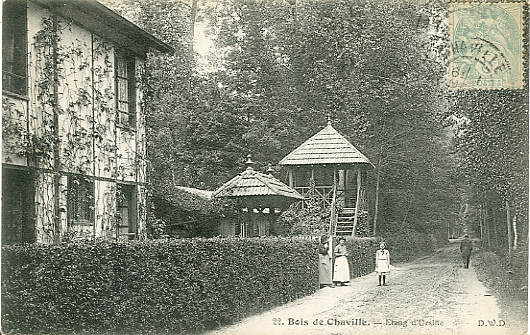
<point>125,90</point>
<point>126,212</point>
<point>80,201</point>
<point>14,69</point>
<point>18,199</point>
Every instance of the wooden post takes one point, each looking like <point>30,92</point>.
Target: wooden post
<point>247,222</point>
<point>331,263</point>
<point>312,185</point>
<point>333,216</point>
<point>357,202</point>
<point>290,176</point>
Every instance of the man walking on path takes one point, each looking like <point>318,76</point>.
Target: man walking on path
<point>465,248</point>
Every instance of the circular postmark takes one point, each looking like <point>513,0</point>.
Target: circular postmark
<point>486,47</point>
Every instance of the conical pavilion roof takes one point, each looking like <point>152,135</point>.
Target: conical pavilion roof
<point>328,146</point>
<point>253,183</point>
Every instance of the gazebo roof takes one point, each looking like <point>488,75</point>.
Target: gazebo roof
<point>251,183</point>
<point>328,146</point>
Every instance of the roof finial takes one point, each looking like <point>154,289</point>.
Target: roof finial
<point>270,170</point>
<point>328,117</point>
<point>249,162</point>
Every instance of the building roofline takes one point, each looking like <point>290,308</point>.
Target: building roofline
<point>298,157</point>
<point>274,187</point>
<point>79,11</point>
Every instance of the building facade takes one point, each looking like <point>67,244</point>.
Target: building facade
<point>73,122</point>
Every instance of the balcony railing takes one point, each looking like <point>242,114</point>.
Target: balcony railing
<point>323,195</point>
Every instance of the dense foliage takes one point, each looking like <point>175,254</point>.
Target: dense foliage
<point>507,278</point>
<point>492,142</point>
<point>151,287</point>
<point>405,243</point>
<point>279,68</point>
<point>378,69</point>
<point>291,64</point>
<point>177,212</point>
<point>311,220</point>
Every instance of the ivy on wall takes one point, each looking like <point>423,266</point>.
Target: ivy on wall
<point>72,129</point>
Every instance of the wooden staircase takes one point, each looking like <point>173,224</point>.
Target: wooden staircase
<point>345,221</point>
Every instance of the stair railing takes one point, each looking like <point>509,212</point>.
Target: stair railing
<point>333,216</point>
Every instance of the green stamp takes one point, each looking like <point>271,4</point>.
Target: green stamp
<point>486,44</point>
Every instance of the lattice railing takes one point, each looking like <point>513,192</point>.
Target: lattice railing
<point>323,194</point>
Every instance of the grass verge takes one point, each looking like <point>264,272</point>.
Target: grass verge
<point>507,278</point>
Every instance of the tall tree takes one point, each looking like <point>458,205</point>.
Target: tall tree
<point>493,144</point>
<point>290,64</point>
<point>285,65</point>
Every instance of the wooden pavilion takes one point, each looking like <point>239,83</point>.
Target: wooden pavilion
<point>260,197</point>
<point>331,170</point>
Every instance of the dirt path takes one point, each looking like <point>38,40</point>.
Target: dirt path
<point>432,295</point>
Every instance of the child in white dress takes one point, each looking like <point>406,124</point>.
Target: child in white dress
<point>382,263</point>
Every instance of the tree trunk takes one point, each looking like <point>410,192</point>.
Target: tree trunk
<point>488,235</point>
<point>515,231</point>
<point>508,216</point>
<point>378,179</point>
<point>481,221</point>
<point>376,205</point>
<point>193,18</point>
<point>495,228</point>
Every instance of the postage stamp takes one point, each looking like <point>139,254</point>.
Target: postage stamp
<point>486,45</point>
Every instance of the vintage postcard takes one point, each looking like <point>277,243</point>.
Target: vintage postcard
<point>264,167</point>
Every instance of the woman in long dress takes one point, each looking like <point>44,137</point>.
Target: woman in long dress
<point>324,258</point>
<point>341,273</point>
<point>382,263</point>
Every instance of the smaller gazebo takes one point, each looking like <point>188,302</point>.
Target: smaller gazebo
<point>261,197</point>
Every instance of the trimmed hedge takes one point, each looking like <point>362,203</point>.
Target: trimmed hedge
<point>170,286</point>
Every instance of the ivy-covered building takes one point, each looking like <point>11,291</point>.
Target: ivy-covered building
<point>73,122</point>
